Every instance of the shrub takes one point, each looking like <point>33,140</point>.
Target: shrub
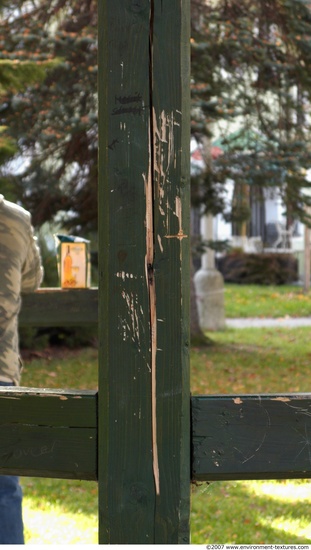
<point>70,337</point>
<point>262,269</point>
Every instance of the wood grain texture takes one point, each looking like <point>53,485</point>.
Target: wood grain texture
<point>251,437</point>
<point>144,377</point>
<point>126,485</point>
<point>52,307</point>
<point>48,433</point>
<point>170,133</point>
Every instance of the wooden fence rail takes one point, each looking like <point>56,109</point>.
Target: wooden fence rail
<point>52,307</point>
<point>48,433</point>
<point>251,437</point>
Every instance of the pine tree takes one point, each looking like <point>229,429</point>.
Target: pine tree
<point>55,121</point>
<point>15,76</point>
<point>250,67</point>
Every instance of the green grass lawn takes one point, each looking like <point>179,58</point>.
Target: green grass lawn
<point>253,361</point>
<point>266,301</point>
<point>240,361</point>
<point>251,512</point>
<point>60,511</point>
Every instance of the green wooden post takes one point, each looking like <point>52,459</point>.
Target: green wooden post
<point>144,401</point>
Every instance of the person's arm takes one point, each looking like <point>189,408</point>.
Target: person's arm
<point>32,271</point>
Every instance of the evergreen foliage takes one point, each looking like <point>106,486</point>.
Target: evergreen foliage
<point>15,76</point>
<point>55,121</point>
<point>260,269</point>
<point>250,68</point>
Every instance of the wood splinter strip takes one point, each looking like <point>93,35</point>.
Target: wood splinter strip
<point>150,244</point>
<point>153,318</point>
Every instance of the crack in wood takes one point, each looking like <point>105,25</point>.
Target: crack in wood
<point>149,264</point>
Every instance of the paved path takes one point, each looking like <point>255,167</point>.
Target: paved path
<point>287,322</point>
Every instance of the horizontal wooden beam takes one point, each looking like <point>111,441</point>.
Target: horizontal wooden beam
<point>251,437</point>
<point>53,433</point>
<point>48,433</point>
<point>52,307</point>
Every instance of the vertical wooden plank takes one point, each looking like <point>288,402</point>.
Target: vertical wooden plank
<point>171,129</point>
<point>144,402</point>
<point>126,487</point>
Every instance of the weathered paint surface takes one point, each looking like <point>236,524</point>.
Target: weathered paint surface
<point>55,307</point>
<point>144,228</point>
<point>48,433</point>
<point>251,437</point>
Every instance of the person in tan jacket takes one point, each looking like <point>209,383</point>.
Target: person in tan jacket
<point>20,272</point>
